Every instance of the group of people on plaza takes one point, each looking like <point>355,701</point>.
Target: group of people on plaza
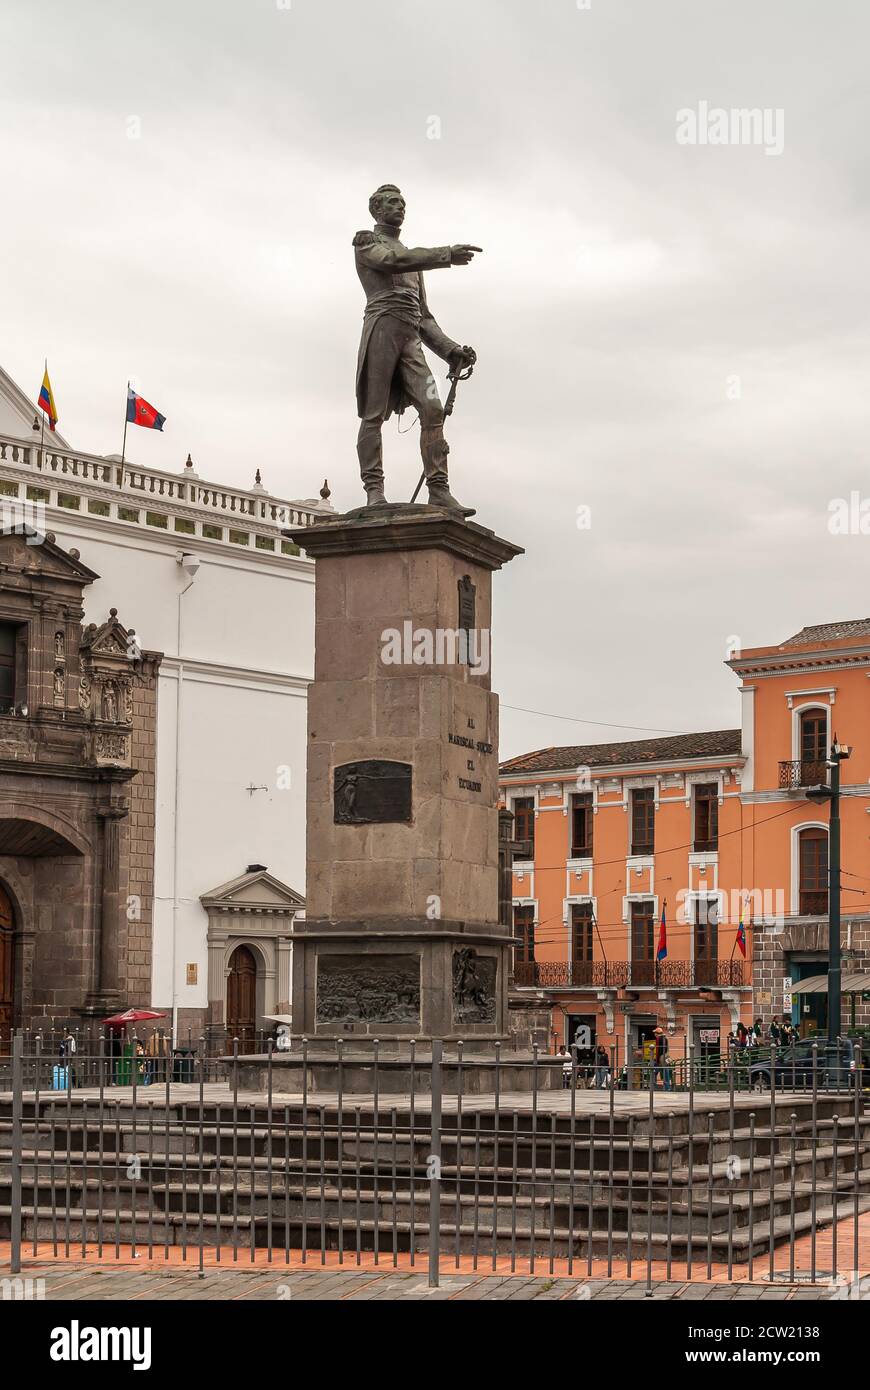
<point>598,1072</point>
<point>777,1034</point>
<point>593,1068</point>
<point>125,1056</point>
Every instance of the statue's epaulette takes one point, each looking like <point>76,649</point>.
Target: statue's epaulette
<point>364,239</point>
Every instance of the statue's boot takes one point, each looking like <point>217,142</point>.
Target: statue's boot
<point>434,449</point>
<point>371,466</point>
<point>441,496</point>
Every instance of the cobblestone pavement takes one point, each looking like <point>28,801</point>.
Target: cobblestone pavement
<point>63,1282</point>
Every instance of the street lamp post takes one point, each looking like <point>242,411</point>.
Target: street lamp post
<point>835,967</point>
<point>839,753</point>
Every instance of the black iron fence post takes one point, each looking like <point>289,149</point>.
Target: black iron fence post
<point>17,1148</point>
<point>435,1165</point>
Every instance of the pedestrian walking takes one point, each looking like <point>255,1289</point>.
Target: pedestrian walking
<point>662,1061</point>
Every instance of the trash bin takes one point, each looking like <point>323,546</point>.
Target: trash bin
<point>183,1064</point>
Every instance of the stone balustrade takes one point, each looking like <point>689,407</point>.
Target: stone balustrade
<point>148,497</point>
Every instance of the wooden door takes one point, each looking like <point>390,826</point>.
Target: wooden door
<point>643,958</point>
<point>242,998</point>
<point>7,967</point>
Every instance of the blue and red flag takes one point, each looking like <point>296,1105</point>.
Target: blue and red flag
<point>741,935</point>
<point>139,412</point>
<point>663,935</point>
<point>46,400</point>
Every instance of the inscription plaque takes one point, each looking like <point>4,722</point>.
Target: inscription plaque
<point>368,989</point>
<point>372,792</point>
<point>467,606</point>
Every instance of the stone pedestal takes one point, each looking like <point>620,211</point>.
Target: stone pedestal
<point>402,938</point>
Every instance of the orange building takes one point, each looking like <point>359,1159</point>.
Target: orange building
<point>706,826</point>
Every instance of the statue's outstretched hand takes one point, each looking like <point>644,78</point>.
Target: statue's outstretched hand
<point>462,253</point>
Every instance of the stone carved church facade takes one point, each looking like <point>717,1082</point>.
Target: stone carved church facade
<point>77,749</point>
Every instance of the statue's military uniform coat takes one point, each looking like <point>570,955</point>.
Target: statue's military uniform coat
<point>391,275</point>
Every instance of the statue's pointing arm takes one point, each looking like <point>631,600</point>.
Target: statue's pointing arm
<point>387,255</point>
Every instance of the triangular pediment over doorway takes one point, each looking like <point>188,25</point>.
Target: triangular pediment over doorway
<point>256,890</point>
<point>24,550</point>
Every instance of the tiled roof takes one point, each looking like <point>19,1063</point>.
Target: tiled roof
<point>829,632</point>
<point>673,748</point>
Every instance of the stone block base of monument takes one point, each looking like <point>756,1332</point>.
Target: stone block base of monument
<point>319,1072</point>
<point>402,938</point>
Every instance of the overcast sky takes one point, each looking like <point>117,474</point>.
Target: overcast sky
<point>675,336</point>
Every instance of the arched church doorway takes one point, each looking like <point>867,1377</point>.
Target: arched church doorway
<point>7,967</point>
<point>242,998</point>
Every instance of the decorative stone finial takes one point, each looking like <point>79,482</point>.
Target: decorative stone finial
<point>324,491</point>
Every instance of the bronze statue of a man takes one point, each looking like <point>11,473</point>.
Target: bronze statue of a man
<point>391,369</point>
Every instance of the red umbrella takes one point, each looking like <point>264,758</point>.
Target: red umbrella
<point>132,1016</point>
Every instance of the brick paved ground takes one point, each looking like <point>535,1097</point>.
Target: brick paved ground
<point>123,1284</point>
<point>832,1251</point>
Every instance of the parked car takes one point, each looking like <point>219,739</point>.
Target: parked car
<point>834,1067</point>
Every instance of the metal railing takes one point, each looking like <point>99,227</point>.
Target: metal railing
<point>55,1041</point>
<point>621,974</point>
<point>691,1176</point>
<point>796,773</point>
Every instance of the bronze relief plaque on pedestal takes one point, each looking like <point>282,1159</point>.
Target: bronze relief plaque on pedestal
<point>372,792</point>
<point>474,986</point>
<point>368,989</point>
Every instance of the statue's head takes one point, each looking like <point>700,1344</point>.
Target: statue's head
<point>387,205</point>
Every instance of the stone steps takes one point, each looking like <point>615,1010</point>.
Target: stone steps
<point>73,1168</point>
<point>324,1230</point>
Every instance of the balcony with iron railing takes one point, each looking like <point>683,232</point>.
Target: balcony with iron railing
<point>631,974</point>
<point>798,773</point>
<point>33,474</point>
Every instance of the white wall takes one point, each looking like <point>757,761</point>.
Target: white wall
<point>245,610</point>
<point>247,645</point>
<point>233,736</point>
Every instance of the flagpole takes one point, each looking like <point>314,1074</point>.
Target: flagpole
<point>124,445</point>
<point>734,945</point>
<point>42,435</point>
<point>598,934</point>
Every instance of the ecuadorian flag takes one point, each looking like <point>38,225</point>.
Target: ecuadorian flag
<point>741,935</point>
<point>663,937</point>
<point>46,400</point>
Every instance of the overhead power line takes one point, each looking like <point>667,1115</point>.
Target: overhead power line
<point>600,723</point>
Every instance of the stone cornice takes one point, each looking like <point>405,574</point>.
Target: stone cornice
<point>66,772</point>
<point>606,770</point>
<point>775,664</point>
<point>404,527</point>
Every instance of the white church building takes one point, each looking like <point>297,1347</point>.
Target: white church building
<point>201,572</point>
